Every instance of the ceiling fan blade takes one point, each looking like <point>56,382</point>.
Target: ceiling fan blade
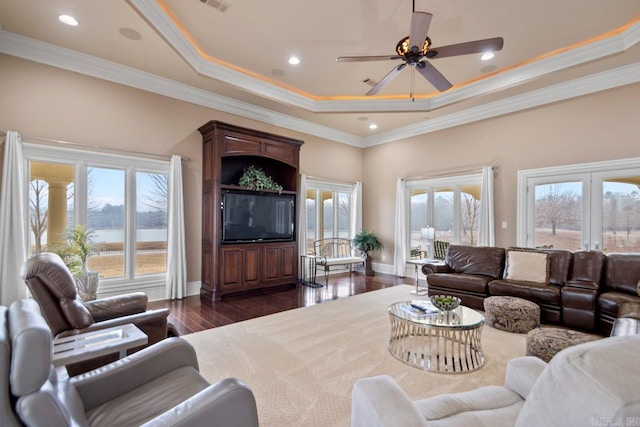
<point>486,45</point>
<point>434,76</point>
<point>366,58</point>
<point>386,79</point>
<point>420,22</point>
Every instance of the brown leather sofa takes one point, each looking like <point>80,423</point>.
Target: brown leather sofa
<point>620,286</point>
<point>585,288</point>
<point>51,285</point>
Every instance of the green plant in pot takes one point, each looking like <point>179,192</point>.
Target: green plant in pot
<point>367,241</point>
<point>75,254</point>
<point>256,179</point>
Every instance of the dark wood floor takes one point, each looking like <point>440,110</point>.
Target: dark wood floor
<point>193,314</point>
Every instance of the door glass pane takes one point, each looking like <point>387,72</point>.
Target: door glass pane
<point>444,214</point>
<point>418,221</point>
<point>106,218</point>
<point>151,223</point>
<point>469,214</point>
<point>558,215</point>
<point>310,203</point>
<point>327,214</point>
<point>621,215</point>
<point>343,215</point>
<point>50,205</point>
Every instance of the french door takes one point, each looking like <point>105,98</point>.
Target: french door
<point>596,208</point>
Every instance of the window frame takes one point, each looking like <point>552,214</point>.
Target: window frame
<point>455,182</point>
<point>322,186</point>
<point>81,160</point>
<point>590,174</point>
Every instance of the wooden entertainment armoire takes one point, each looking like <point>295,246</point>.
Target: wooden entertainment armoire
<point>236,267</point>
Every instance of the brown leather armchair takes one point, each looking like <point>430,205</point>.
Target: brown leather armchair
<point>52,286</point>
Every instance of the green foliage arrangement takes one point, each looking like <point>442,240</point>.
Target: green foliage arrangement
<point>77,249</point>
<point>366,241</point>
<point>255,179</point>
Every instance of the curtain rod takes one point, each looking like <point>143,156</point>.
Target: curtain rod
<point>112,150</point>
<point>334,181</point>
<point>444,174</point>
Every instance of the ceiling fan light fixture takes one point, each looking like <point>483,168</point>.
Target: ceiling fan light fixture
<point>403,48</point>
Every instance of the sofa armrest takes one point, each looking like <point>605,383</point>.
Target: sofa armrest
<point>522,373</point>
<point>435,268</point>
<point>116,306</point>
<point>158,316</point>
<point>110,381</point>
<point>582,284</point>
<point>380,402</point>
<point>227,403</point>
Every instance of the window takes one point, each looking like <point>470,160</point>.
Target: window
<point>588,206</point>
<point>121,199</point>
<point>451,206</point>
<point>328,208</point>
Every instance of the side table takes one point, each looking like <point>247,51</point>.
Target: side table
<point>89,345</point>
<point>307,264</point>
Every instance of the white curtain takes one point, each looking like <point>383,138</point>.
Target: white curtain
<point>176,249</point>
<point>399,252</point>
<point>356,209</point>
<point>302,223</point>
<point>486,234</point>
<point>13,226</point>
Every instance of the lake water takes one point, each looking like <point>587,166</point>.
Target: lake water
<point>117,235</point>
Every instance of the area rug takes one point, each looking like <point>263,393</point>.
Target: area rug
<point>302,364</point>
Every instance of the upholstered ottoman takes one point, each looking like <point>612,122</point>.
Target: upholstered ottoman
<point>511,314</point>
<point>544,343</point>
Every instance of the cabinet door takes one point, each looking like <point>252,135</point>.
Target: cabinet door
<point>251,267</point>
<point>272,268</point>
<point>289,262</point>
<point>231,260</point>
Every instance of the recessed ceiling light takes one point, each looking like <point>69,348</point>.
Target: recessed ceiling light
<point>69,20</point>
<point>487,56</point>
<point>373,126</point>
<point>294,60</point>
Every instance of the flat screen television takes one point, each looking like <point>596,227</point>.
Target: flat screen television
<point>252,216</point>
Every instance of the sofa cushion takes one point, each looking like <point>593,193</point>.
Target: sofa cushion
<point>461,282</point>
<point>536,292</point>
<point>527,266</point>
<point>484,260</point>
<point>609,302</point>
<point>623,272</point>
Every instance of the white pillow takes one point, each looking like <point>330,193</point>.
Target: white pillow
<point>527,266</point>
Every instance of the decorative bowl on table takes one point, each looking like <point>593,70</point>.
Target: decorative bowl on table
<point>445,302</point>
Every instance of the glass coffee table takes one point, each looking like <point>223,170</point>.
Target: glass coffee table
<point>445,342</point>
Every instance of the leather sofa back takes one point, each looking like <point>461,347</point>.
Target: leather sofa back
<point>50,282</point>
<point>560,261</point>
<point>484,260</point>
<point>622,272</point>
<point>588,266</point>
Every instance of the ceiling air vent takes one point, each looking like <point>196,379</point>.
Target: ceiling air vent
<point>217,4</point>
<point>369,82</point>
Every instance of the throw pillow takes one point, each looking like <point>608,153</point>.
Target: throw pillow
<point>527,266</point>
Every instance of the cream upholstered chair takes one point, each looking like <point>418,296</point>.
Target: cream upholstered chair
<point>583,385</point>
<point>157,386</point>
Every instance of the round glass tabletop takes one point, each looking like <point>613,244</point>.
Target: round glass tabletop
<point>413,311</point>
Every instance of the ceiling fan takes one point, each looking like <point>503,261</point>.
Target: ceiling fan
<point>416,51</point>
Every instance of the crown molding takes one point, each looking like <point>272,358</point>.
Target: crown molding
<point>45,53</point>
<point>156,16</point>
<point>610,79</point>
